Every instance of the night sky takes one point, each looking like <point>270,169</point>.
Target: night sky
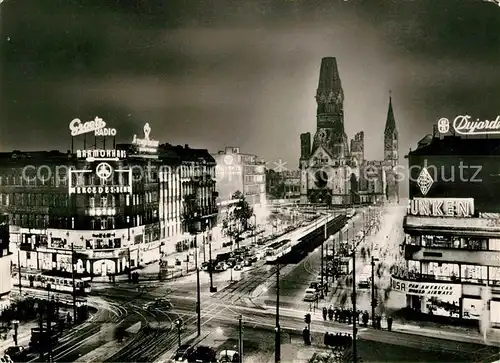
<point>243,73</point>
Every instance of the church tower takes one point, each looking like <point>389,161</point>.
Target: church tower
<point>391,155</point>
<point>391,137</point>
<point>330,132</point>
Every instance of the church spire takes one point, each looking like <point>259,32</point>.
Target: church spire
<point>330,96</point>
<point>390,124</point>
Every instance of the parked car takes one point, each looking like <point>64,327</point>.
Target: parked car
<point>238,267</point>
<point>203,354</point>
<point>221,266</point>
<point>229,356</point>
<point>17,353</point>
<point>183,352</point>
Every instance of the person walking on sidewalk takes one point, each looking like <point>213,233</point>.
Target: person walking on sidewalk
<point>330,313</point>
<point>389,323</point>
<point>325,312</point>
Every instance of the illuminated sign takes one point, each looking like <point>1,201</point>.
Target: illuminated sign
<point>105,189</point>
<point>424,181</point>
<point>425,288</point>
<point>101,155</point>
<point>463,125</point>
<point>98,126</point>
<point>146,144</point>
<point>444,207</point>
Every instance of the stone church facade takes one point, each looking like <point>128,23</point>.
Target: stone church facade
<point>331,170</point>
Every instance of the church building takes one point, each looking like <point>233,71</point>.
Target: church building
<point>331,171</point>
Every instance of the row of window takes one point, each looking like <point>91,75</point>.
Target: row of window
<point>447,241</point>
<point>452,272</point>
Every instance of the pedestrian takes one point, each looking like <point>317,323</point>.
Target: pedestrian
<point>330,313</point>
<point>325,312</point>
<point>379,322</point>
<point>389,323</point>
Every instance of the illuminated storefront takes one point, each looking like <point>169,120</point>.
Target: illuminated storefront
<point>452,246</point>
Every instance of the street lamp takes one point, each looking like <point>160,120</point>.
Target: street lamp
<point>277,338</point>
<point>178,322</point>
<point>255,228</point>
<point>374,301</point>
<point>240,343</point>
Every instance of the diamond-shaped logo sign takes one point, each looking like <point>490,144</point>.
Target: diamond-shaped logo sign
<point>424,181</point>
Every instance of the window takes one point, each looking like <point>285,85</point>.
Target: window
<point>441,271</point>
<point>495,275</point>
<point>104,223</point>
<point>92,202</point>
<point>92,224</point>
<point>127,200</point>
<point>474,273</point>
<point>104,202</point>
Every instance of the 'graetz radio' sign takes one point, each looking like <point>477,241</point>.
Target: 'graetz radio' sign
<point>426,288</point>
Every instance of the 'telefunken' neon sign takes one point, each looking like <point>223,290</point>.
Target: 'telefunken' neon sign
<point>463,125</point>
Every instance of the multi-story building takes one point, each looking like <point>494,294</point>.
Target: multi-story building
<point>5,262</point>
<point>331,172</point>
<point>283,185</point>
<point>115,208</point>
<point>236,171</point>
<point>451,260</point>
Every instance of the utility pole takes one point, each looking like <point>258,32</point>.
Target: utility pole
<point>354,328</point>
<point>19,270</point>
<point>198,295</point>
<point>178,323</point>
<point>240,345</point>
<point>374,302</point>
<point>73,280</point>
<point>277,339</point>
<point>211,267</point>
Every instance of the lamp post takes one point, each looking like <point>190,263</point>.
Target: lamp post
<point>277,338</point>
<point>255,228</point>
<point>73,262</point>
<point>178,323</point>
<point>240,342</point>
<point>211,268</point>
<point>354,328</point>
<point>374,302</point>
<point>198,294</point>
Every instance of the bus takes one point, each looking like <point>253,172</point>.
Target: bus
<point>364,278</point>
<point>38,280</point>
<point>278,249</point>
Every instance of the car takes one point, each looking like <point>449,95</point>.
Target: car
<point>221,266</point>
<point>310,295</point>
<point>229,356</point>
<point>238,267</point>
<point>203,354</point>
<point>17,353</point>
<point>247,262</point>
<point>182,354</point>
<point>204,266</point>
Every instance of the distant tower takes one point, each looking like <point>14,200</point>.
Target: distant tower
<point>391,155</point>
<point>358,147</point>
<point>305,154</point>
<point>330,132</point>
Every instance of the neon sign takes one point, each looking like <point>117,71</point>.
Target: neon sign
<point>97,125</point>
<point>146,144</point>
<point>101,155</point>
<point>445,207</point>
<point>463,125</point>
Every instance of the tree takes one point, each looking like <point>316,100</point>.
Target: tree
<point>242,211</point>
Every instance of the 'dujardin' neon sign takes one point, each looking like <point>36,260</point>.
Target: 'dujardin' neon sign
<point>463,125</point>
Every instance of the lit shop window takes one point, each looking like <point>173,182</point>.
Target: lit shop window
<point>474,273</point>
<point>127,200</point>
<point>495,275</point>
<point>92,202</point>
<point>441,271</point>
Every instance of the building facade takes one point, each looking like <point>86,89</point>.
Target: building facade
<point>115,208</point>
<point>331,171</point>
<point>451,260</point>
<point>283,185</point>
<point>5,262</point>
<point>237,171</point>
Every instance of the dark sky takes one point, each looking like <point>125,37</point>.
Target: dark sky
<point>242,72</point>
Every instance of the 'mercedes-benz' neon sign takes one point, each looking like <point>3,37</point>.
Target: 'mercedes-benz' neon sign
<point>97,125</point>
<point>463,125</point>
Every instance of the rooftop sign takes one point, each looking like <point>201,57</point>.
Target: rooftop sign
<point>463,125</point>
<point>146,144</point>
<point>97,125</point>
<point>443,207</point>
